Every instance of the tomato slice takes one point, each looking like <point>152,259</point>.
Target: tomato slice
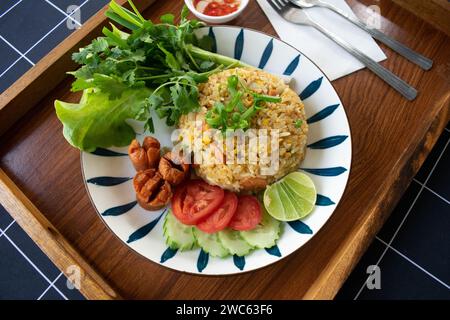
<point>220,219</point>
<point>248,214</point>
<point>195,200</point>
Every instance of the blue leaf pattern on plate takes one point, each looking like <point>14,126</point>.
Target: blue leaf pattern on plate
<point>326,172</point>
<point>168,254</point>
<point>213,39</point>
<point>239,262</point>
<point>292,66</point>
<point>300,227</point>
<point>266,55</point>
<point>322,114</point>
<point>239,45</point>
<point>202,260</point>
<point>107,153</point>
<point>145,230</point>
<point>328,142</point>
<point>275,251</point>
<point>323,201</point>
<point>107,181</point>
<point>311,89</point>
<point>117,211</point>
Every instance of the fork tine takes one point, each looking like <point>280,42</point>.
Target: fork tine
<point>275,5</point>
<point>280,3</point>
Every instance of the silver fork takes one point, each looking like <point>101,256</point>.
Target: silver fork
<point>299,16</point>
<point>398,47</point>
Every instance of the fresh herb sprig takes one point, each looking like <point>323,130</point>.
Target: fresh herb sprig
<point>234,115</point>
<point>165,57</point>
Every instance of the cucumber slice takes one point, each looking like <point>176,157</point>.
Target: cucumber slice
<point>233,242</point>
<point>266,234</point>
<point>210,243</point>
<point>178,235</point>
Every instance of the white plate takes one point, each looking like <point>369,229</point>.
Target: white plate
<point>108,173</point>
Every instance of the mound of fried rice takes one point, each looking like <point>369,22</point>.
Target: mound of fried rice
<point>288,116</point>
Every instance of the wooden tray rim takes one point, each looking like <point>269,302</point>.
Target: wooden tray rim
<point>62,253</point>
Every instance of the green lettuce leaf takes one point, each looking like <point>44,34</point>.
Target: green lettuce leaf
<point>98,121</point>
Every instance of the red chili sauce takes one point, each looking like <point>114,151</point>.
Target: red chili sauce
<point>216,7</point>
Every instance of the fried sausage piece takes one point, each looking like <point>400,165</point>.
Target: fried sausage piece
<point>138,156</point>
<point>144,157</point>
<point>161,199</point>
<point>152,191</point>
<point>150,142</point>
<point>152,147</point>
<point>172,169</point>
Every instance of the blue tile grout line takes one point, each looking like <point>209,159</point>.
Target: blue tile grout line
<point>22,55</point>
<point>63,12</point>
<point>432,191</point>
<point>52,285</point>
<point>413,263</point>
<point>12,7</point>
<point>39,41</point>
<point>31,262</point>
<point>6,229</point>
<point>405,217</point>
<point>12,65</point>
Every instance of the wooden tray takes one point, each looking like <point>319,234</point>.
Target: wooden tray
<point>41,183</point>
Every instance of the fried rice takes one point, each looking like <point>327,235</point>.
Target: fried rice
<point>287,117</point>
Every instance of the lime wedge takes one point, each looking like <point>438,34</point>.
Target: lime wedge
<point>273,203</point>
<point>291,198</point>
<point>290,212</point>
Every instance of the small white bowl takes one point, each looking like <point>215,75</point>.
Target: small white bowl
<point>214,19</point>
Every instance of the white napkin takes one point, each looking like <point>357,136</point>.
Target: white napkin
<point>334,61</point>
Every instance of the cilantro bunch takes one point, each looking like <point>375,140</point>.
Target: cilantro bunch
<point>165,58</point>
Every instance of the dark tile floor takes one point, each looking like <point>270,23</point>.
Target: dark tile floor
<point>412,250</point>
<point>32,20</point>
<point>25,271</point>
<point>401,279</point>
<point>41,24</point>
